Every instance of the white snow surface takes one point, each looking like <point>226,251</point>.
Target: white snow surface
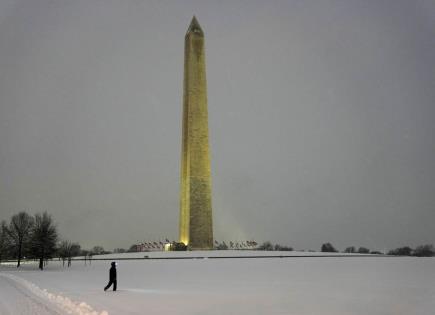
<point>38,301</point>
<point>299,285</point>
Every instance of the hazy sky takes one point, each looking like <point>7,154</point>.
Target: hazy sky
<point>321,117</point>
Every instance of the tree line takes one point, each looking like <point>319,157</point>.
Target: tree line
<point>419,251</point>
<point>427,250</point>
<point>34,237</point>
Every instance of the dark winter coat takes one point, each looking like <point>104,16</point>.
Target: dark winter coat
<point>112,273</point>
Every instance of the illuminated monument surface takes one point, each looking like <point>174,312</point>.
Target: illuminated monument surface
<point>196,228</point>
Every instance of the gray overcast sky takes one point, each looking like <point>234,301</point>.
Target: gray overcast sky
<point>321,118</point>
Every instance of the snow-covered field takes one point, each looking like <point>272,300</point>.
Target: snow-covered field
<point>301,285</point>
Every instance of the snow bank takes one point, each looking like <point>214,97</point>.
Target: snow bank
<point>64,303</point>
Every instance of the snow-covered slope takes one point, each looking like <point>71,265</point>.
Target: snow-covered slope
<point>219,253</point>
<point>303,285</point>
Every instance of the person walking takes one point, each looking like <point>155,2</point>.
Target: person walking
<point>112,277</point>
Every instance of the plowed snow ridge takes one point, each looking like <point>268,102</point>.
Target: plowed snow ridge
<point>66,304</point>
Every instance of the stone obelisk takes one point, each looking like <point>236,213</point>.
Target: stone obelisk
<point>196,230</point>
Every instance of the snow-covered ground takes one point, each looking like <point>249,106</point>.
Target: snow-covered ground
<point>301,285</point>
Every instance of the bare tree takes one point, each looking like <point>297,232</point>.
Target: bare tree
<point>363,250</point>
<point>97,250</point>
<point>401,251</point>
<point>4,241</point>
<point>266,246</point>
<point>44,238</point>
<point>64,250</point>
<point>67,250</point>
<point>74,251</point>
<point>350,249</point>
<point>424,251</point>
<point>18,232</point>
<point>327,247</point>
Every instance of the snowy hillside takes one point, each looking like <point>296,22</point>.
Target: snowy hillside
<point>301,285</point>
<point>217,253</point>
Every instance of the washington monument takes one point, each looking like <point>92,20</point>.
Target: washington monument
<point>196,230</point>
